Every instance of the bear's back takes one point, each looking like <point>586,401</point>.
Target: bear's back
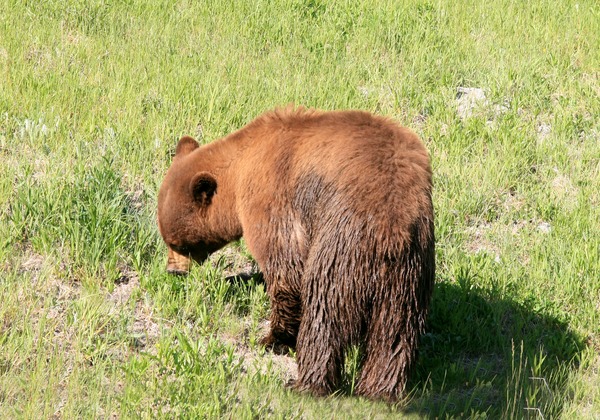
<point>343,165</point>
<point>337,142</point>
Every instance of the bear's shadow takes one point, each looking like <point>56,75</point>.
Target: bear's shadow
<point>484,353</point>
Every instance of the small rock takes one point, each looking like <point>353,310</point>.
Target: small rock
<point>384,95</point>
<point>468,100</point>
<point>544,227</point>
<point>543,130</point>
<point>365,91</point>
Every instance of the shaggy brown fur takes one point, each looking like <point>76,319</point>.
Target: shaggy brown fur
<point>336,208</point>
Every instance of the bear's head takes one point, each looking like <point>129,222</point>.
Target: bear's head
<point>184,203</point>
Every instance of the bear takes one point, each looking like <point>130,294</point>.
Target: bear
<point>336,208</point>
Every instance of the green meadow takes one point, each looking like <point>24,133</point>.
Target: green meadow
<point>93,98</point>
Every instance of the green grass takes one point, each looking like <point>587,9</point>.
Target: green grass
<point>93,97</point>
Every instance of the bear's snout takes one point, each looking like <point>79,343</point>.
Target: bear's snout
<point>177,263</point>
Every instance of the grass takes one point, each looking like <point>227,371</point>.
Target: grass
<point>93,97</point>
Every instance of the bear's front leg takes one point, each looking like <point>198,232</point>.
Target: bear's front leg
<point>281,261</point>
<point>286,312</point>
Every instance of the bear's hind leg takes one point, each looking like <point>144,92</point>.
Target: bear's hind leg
<point>322,340</point>
<point>319,356</point>
<point>396,322</point>
<point>385,368</point>
<point>390,350</point>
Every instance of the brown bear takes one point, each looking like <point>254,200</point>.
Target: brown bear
<point>336,209</point>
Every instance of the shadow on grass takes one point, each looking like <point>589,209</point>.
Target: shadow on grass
<point>487,355</point>
<point>242,278</point>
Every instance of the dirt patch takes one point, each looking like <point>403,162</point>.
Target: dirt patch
<point>473,102</point>
<point>543,131</point>
<point>33,263</point>
<point>479,243</point>
<point>383,95</point>
<point>563,187</point>
<point>127,282</point>
<point>481,236</point>
<point>254,361</point>
<point>135,193</point>
<point>144,330</point>
<point>234,263</point>
<point>469,101</point>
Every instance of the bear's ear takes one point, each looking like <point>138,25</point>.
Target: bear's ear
<point>186,145</point>
<point>203,186</point>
